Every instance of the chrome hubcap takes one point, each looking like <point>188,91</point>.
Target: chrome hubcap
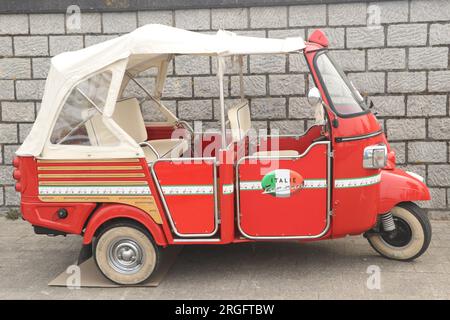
<point>125,256</point>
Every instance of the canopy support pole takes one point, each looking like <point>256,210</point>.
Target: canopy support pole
<point>156,100</point>
<point>241,77</point>
<point>129,75</point>
<point>221,64</point>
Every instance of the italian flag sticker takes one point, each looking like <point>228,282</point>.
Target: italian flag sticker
<point>282,183</point>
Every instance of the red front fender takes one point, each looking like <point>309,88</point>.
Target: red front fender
<point>398,186</point>
<point>107,212</point>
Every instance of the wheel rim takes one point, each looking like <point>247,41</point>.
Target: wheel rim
<point>401,236</point>
<point>125,256</point>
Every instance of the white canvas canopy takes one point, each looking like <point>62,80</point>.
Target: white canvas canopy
<point>148,46</point>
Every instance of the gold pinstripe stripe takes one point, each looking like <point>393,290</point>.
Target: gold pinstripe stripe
<point>92,175</point>
<point>93,183</point>
<point>78,168</point>
<point>88,160</point>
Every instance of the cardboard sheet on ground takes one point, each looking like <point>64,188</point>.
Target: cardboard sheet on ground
<point>92,277</point>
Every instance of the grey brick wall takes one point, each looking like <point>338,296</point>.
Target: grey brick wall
<point>403,65</point>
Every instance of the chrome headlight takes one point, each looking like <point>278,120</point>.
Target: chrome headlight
<point>375,157</point>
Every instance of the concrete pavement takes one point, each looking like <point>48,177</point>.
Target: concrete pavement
<point>335,269</point>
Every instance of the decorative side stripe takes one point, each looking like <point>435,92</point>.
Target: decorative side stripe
<point>192,189</point>
<point>307,184</point>
<point>357,182</point>
<point>92,175</point>
<point>88,168</point>
<point>94,190</point>
<point>250,185</point>
<point>321,183</point>
<point>92,183</point>
<point>228,188</point>
<point>315,183</point>
<point>64,161</point>
<point>187,190</point>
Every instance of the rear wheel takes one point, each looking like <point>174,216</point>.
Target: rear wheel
<point>126,254</point>
<point>411,237</point>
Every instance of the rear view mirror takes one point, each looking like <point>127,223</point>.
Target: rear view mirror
<point>314,97</point>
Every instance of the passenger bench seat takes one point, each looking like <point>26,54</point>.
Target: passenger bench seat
<point>128,116</point>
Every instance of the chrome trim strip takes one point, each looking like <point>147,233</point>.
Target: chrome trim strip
<point>307,184</point>
<point>364,136</point>
<point>71,190</point>
<point>357,182</point>
<point>188,190</point>
<point>328,213</point>
<point>196,240</point>
<point>166,208</point>
<point>227,188</point>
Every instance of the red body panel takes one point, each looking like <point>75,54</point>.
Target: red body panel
<point>192,213</point>
<point>226,199</point>
<point>45,214</point>
<point>398,186</point>
<point>355,209</point>
<point>302,213</point>
<point>107,212</point>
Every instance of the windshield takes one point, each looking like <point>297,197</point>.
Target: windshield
<point>344,98</point>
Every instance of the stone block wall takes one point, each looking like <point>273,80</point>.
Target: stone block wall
<point>401,61</point>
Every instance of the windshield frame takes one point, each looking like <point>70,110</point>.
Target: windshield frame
<point>365,109</point>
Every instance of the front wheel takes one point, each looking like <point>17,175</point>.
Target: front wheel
<point>126,254</point>
<point>411,237</point>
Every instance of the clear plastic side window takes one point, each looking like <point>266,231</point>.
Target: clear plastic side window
<point>151,111</point>
<point>80,121</point>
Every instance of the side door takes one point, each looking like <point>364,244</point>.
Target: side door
<point>188,190</point>
<point>285,197</point>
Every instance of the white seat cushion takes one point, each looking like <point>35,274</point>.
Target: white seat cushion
<point>128,116</point>
<point>166,148</point>
<point>276,153</point>
<point>240,121</point>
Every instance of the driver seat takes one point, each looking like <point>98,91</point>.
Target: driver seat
<point>241,123</point>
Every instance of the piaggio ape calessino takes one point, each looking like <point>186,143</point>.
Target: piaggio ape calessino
<point>92,166</point>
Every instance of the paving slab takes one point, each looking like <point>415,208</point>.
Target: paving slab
<point>334,269</point>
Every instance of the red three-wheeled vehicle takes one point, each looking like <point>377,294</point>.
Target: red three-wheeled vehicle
<point>93,166</point>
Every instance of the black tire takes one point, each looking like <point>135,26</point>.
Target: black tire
<point>418,228</point>
<point>132,240</point>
